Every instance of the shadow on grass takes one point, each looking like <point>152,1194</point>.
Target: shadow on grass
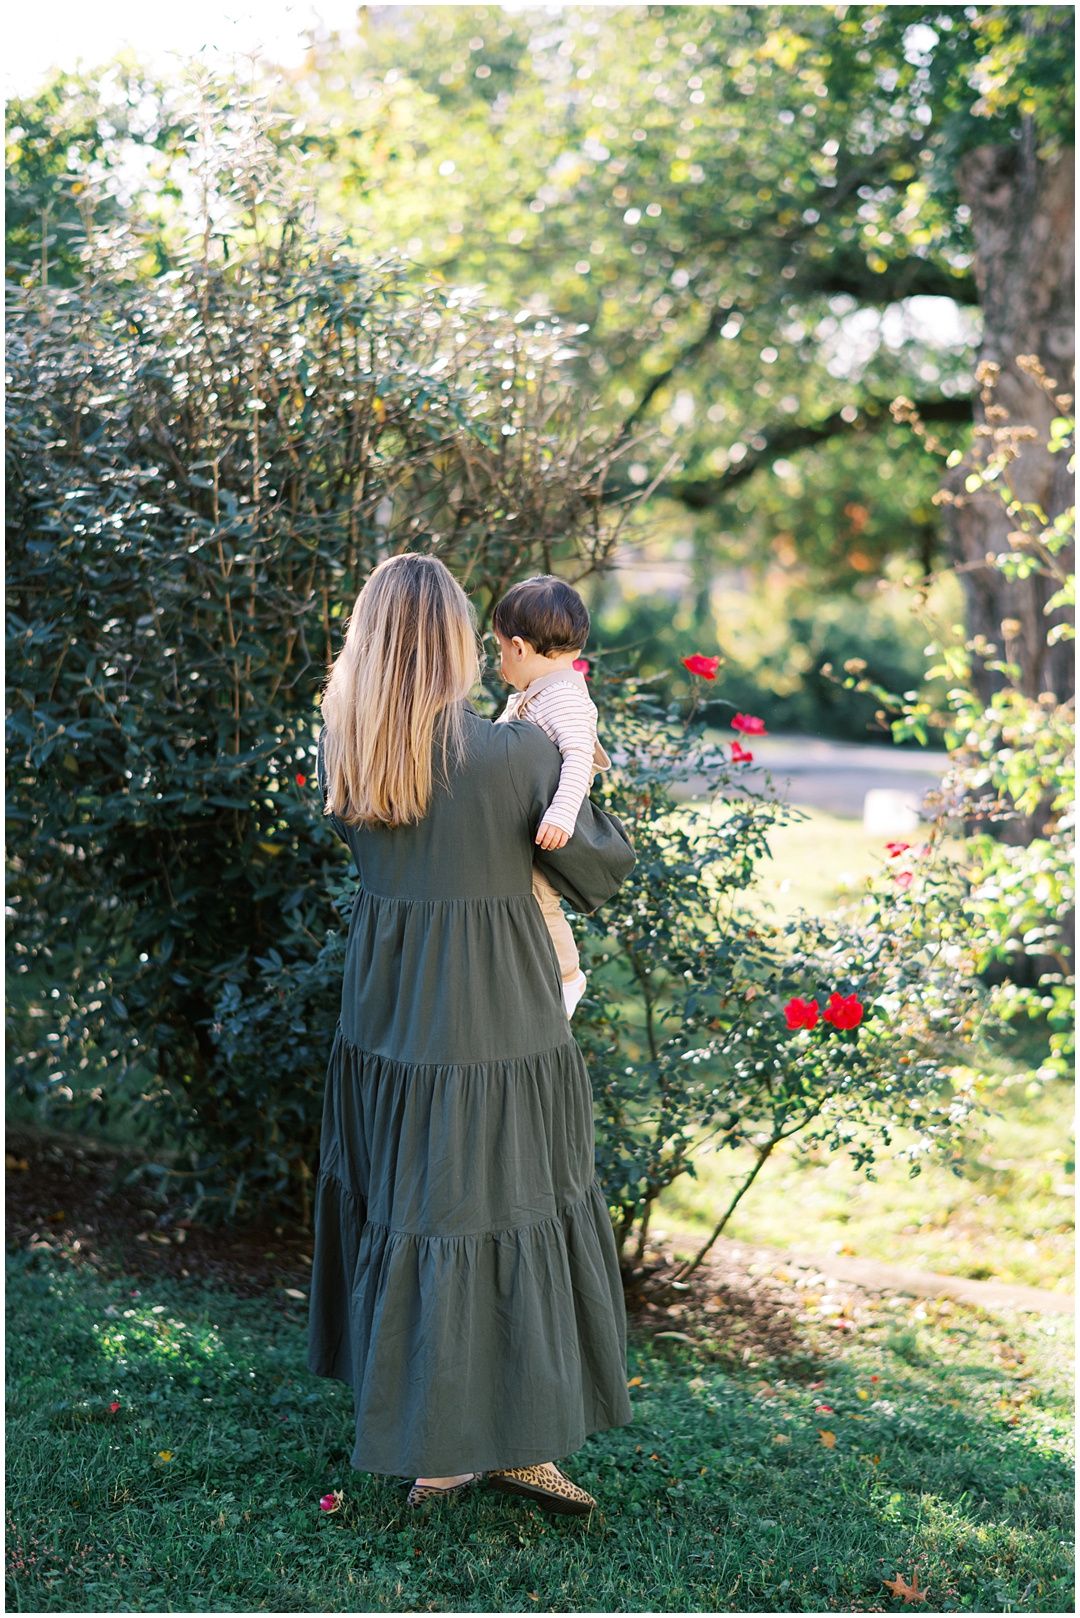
<point>167,1451</point>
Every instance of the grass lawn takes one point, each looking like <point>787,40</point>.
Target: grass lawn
<point>942,1452</point>
<point>817,863</point>
<point>1008,1217</point>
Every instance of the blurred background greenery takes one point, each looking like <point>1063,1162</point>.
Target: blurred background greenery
<point>751,218</point>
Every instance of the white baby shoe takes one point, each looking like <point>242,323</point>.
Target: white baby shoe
<point>573,991</point>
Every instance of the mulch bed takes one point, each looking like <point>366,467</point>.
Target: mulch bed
<point>91,1203</point>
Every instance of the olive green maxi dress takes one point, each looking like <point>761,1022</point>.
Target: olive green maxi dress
<point>465,1281</point>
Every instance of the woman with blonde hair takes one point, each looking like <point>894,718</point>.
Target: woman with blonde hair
<point>465,1281</point>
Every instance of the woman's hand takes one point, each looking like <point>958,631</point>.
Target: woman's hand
<point>550,836</point>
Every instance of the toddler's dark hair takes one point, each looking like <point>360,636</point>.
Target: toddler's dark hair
<point>546,612</point>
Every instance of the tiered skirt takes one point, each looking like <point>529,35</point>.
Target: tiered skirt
<point>466,1284</point>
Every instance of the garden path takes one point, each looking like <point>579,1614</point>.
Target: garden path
<point>870,1276</point>
<point>817,773</point>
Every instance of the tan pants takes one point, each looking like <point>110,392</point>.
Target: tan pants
<point>557,926</point>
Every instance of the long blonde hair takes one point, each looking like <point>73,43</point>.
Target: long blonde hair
<point>410,655</point>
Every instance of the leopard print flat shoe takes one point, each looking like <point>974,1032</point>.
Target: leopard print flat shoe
<point>546,1486</point>
<point>424,1494</point>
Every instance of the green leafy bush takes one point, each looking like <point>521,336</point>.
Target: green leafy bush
<point>203,467</point>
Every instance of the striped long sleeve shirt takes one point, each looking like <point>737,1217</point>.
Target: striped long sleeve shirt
<point>560,704</point>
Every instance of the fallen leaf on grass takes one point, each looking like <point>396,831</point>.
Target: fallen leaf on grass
<point>827,1438</point>
<point>781,1438</point>
<point>15,1162</point>
<point>163,1457</point>
<point>909,1592</point>
<point>634,1382</point>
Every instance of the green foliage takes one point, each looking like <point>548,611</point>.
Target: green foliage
<point>66,168</point>
<point>721,1479</point>
<point>711,191</point>
<point>1013,766</point>
<point>203,467</point>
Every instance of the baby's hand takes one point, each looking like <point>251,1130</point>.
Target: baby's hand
<point>550,836</point>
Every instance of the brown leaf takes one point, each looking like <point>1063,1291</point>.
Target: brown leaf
<point>909,1592</point>
<point>827,1438</point>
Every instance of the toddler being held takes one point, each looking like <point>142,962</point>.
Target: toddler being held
<point>541,626</point>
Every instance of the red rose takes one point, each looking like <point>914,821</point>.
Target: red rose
<point>301,780</point>
<point>581,666</point>
<point>843,1011</point>
<point>706,667</point>
<point>894,850</point>
<point>739,755</point>
<point>801,1013</point>
<point>749,725</point>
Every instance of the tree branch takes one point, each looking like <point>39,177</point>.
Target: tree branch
<point>785,438</point>
<point>904,278</point>
<point>685,356</point>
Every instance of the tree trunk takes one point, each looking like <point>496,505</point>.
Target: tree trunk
<point>1022,211</point>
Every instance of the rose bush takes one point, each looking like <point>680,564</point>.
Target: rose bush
<point>703,1026</point>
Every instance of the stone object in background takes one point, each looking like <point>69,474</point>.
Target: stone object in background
<point>889,813</point>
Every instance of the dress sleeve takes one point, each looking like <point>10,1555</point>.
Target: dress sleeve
<point>595,863</point>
